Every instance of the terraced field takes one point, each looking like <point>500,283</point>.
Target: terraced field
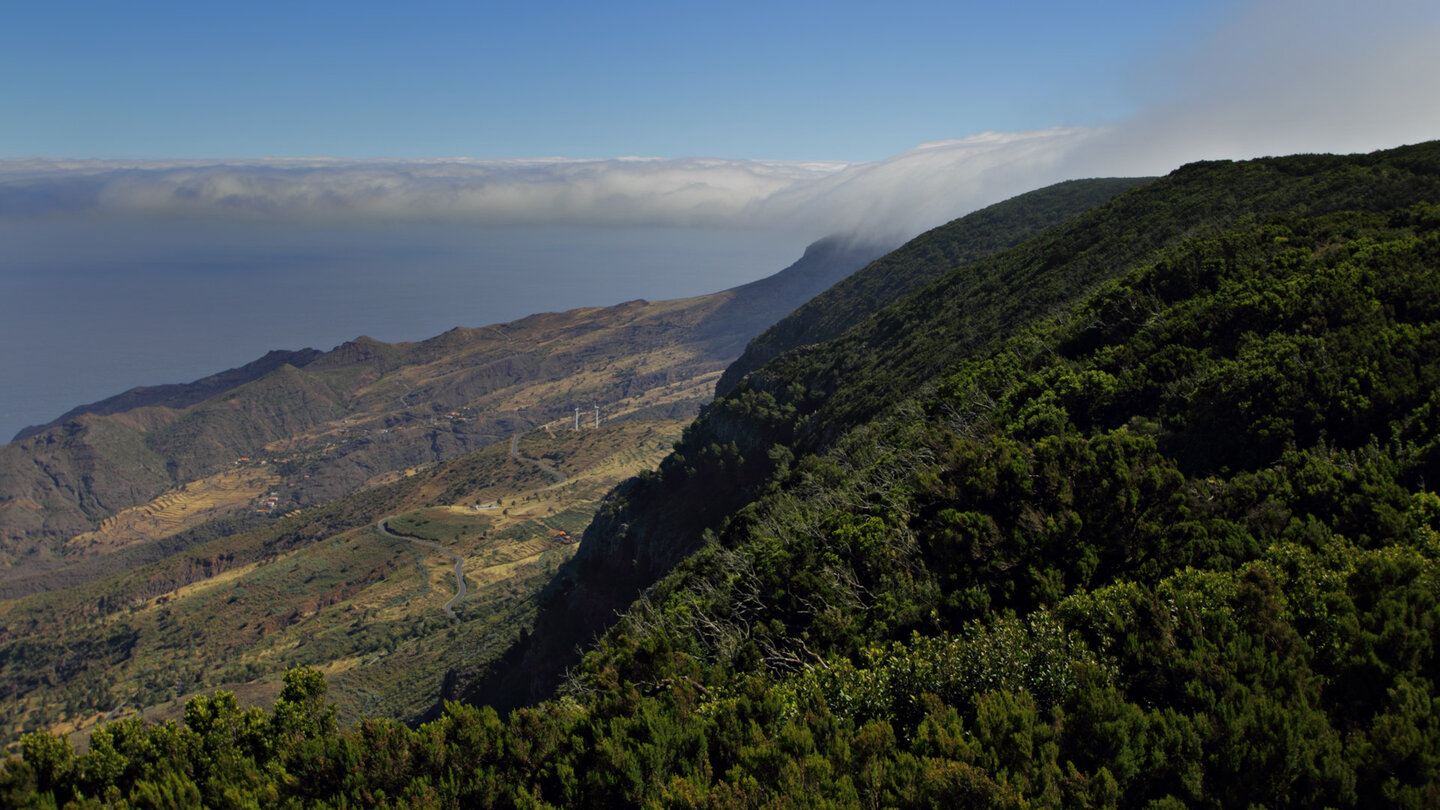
<point>365,608</point>
<point>179,509</point>
<point>142,561</point>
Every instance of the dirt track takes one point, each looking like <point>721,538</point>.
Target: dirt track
<point>459,563</point>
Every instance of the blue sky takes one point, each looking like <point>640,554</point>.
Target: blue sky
<point>153,169</point>
<point>814,117</point>
<point>793,81</point>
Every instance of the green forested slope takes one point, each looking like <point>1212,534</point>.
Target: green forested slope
<point>888,356</point>
<point>968,239</point>
<point>1169,539</point>
<point>804,401</point>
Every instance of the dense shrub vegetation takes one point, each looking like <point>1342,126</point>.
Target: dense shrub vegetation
<point>1170,539</point>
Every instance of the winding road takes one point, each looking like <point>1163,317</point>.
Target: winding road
<point>540,465</point>
<point>459,563</point>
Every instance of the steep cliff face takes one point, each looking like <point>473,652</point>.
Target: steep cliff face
<point>761,303</point>
<point>733,452</point>
<point>1140,512</point>
<point>777,418</point>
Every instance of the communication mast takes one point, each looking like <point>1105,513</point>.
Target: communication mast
<point>597,417</point>
<point>577,418</point>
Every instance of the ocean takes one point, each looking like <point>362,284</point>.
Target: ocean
<point>90,308</point>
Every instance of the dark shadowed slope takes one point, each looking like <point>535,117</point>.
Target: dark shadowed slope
<point>1138,514</point>
<point>806,400</point>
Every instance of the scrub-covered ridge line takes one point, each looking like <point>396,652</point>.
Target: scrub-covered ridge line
<point>1138,512</point>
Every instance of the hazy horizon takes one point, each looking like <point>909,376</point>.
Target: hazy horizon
<point>132,258</point>
<point>116,306</point>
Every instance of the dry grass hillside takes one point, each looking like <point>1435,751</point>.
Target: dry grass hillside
<point>335,593</point>
<point>327,424</point>
<point>312,508</point>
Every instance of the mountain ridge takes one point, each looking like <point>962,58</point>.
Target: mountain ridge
<point>155,557</point>
<point>390,403</point>
<point>179,395</point>
<point>921,260</point>
<point>1132,514</point>
<point>803,401</point>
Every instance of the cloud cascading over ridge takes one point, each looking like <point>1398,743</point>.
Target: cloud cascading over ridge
<point>1284,76</point>
<point>913,190</point>
<point>928,185</point>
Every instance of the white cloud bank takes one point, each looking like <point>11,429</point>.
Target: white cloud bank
<point>928,185</point>
<point>622,191</point>
<point>1285,76</point>
<point>921,187</point>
